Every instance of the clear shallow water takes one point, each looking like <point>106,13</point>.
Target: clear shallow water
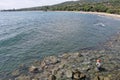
<point>27,36</point>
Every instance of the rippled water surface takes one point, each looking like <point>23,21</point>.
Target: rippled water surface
<point>28,36</point>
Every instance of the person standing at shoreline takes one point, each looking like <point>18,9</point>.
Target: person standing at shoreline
<point>98,64</point>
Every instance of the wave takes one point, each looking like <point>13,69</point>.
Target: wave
<point>100,24</point>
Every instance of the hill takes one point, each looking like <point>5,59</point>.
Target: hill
<point>109,6</point>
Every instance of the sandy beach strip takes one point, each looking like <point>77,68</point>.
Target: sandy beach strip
<point>97,13</point>
<point>101,14</point>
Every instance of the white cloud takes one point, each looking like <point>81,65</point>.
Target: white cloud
<point>9,4</point>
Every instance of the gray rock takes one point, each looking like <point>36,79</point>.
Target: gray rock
<point>15,73</point>
<point>96,69</point>
<point>59,75</point>
<point>102,51</point>
<point>51,60</point>
<point>76,75</point>
<point>61,65</point>
<point>86,68</point>
<point>69,74</point>
<point>54,71</point>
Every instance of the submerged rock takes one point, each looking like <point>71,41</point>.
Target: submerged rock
<point>16,73</point>
<point>23,78</point>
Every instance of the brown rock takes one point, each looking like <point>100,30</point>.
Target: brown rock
<point>82,76</point>
<point>65,56</point>
<point>52,77</point>
<point>77,54</point>
<point>76,75</point>
<point>75,71</point>
<point>107,78</point>
<point>43,64</point>
<point>101,77</point>
<point>33,69</point>
<point>96,78</point>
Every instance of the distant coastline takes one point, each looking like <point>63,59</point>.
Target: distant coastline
<point>83,12</point>
<point>97,13</point>
<point>102,14</point>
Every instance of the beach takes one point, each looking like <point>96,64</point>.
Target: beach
<point>102,14</point>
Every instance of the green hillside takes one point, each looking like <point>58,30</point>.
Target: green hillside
<point>109,6</point>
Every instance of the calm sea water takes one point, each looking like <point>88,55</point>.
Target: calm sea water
<point>28,36</point>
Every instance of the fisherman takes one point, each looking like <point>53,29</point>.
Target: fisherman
<point>98,64</point>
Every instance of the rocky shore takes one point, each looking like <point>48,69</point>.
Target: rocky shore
<point>75,66</point>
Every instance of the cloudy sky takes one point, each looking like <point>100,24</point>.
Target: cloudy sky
<point>10,4</point>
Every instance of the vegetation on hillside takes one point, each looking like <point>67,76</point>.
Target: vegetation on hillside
<point>109,6</point>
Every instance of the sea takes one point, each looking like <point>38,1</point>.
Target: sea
<point>27,36</point>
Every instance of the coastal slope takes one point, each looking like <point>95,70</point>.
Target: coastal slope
<point>108,6</point>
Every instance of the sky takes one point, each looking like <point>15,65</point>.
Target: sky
<point>10,4</point>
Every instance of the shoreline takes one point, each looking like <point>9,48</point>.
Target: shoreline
<point>66,65</point>
<point>101,14</point>
<point>83,12</point>
<point>56,64</point>
<point>97,13</point>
